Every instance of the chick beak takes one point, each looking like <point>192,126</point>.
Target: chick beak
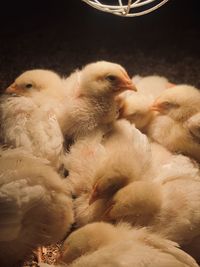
<point>156,107</point>
<point>13,89</point>
<point>94,195</point>
<point>127,84</point>
<point>106,214</point>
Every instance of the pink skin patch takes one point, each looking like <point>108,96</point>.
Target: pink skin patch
<point>88,152</point>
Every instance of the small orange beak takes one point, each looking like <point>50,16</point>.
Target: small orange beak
<point>13,89</point>
<point>127,84</point>
<point>156,107</point>
<point>106,214</point>
<point>94,195</point>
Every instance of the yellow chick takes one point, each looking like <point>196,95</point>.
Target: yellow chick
<point>101,244</point>
<point>124,145</point>
<point>135,107</point>
<point>171,126</point>
<point>92,102</point>
<point>167,205</point>
<point>35,205</point>
<point>30,114</point>
<point>99,166</point>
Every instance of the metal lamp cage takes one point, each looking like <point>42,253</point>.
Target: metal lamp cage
<point>133,8</point>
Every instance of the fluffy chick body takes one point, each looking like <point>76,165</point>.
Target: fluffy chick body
<point>30,119</point>
<point>35,206</point>
<point>92,92</point>
<point>104,165</point>
<point>171,126</point>
<point>176,194</point>
<point>121,246</point>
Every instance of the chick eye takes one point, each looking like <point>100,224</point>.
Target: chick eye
<point>167,104</point>
<point>111,78</point>
<point>28,85</point>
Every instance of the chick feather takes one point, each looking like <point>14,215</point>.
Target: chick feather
<point>121,246</point>
<point>92,92</point>
<point>103,163</point>
<point>35,205</point>
<point>28,119</point>
<point>168,205</point>
<point>136,107</point>
<point>172,126</point>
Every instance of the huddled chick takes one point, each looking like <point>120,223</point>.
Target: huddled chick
<point>102,244</point>
<point>92,93</point>
<point>29,115</point>
<point>136,107</point>
<point>167,205</point>
<point>99,167</point>
<point>124,182</point>
<point>174,124</point>
<point>48,107</point>
<point>35,205</point>
<point>128,159</point>
<point>115,172</point>
<point>39,108</point>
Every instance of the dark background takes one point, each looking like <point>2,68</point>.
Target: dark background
<point>65,34</point>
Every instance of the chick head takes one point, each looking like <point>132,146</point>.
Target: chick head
<point>139,200</point>
<point>104,78</point>
<point>87,239</point>
<point>33,81</point>
<point>179,102</point>
<point>107,185</point>
<point>135,108</point>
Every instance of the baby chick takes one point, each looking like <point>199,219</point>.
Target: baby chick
<point>101,244</point>
<point>128,159</point>
<point>135,107</point>
<point>168,205</point>
<point>35,205</point>
<point>101,165</point>
<point>92,104</point>
<point>170,127</point>
<point>30,117</point>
